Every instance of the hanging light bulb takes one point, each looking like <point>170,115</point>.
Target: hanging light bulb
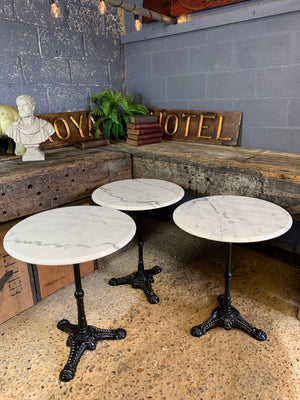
<point>137,23</point>
<point>55,11</point>
<point>102,7</point>
<point>183,18</point>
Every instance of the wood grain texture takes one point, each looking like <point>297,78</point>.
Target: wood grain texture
<point>67,175</point>
<point>206,170</point>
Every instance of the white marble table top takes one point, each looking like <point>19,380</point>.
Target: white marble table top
<point>69,235</point>
<point>138,194</point>
<point>232,219</point>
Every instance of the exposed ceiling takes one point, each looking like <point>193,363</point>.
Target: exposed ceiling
<point>175,8</point>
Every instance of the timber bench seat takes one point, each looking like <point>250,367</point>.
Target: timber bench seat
<point>205,170</point>
<point>68,174</point>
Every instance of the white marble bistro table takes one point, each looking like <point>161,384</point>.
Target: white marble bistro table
<point>231,219</point>
<point>72,235</point>
<point>138,195</point>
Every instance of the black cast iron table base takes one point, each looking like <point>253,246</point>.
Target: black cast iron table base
<point>82,336</point>
<point>225,315</point>
<point>141,279</point>
<point>227,318</point>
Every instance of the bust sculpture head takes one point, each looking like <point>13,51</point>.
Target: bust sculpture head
<point>29,130</point>
<point>26,105</point>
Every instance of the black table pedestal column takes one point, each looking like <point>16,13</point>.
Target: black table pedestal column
<point>82,336</point>
<point>225,315</point>
<point>141,279</point>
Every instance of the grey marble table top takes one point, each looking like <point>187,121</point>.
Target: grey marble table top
<point>235,219</point>
<point>138,194</point>
<point>69,235</point>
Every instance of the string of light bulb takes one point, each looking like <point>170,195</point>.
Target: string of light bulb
<point>135,9</point>
<point>55,11</point>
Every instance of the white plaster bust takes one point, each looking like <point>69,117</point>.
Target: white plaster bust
<point>29,130</point>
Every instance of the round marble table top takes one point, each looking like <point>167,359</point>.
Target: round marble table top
<point>232,219</point>
<point>69,235</point>
<point>138,194</point>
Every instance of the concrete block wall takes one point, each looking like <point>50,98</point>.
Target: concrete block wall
<point>60,62</point>
<point>251,66</point>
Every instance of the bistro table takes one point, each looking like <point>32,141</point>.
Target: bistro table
<point>138,195</point>
<point>231,219</point>
<point>72,235</point>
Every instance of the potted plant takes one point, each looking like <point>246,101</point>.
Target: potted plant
<point>113,111</point>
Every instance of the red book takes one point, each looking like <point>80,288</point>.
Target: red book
<point>142,142</point>
<point>144,131</point>
<point>131,125</point>
<point>144,137</point>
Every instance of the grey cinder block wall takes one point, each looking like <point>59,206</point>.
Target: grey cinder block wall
<point>244,57</point>
<point>60,62</point>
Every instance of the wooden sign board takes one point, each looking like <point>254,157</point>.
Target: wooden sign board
<point>16,294</point>
<point>214,127</point>
<point>70,127</point>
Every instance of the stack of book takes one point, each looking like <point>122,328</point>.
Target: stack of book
<point>143,129</point>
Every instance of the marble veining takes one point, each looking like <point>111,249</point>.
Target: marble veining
<point>138,194</point>
<point>235,219</point>
<point>69,235</point>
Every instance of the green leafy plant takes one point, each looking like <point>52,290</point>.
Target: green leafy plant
<point>113,111</point>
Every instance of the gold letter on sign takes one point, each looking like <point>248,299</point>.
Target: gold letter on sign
<point>66,126</point>
<point>79,126</point>
<point>188,121</point>
<point>175,127</point>
<point>220,129</point>
<point>201,126</point>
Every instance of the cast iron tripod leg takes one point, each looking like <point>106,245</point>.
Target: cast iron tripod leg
<point>225,315</point>
<point>141,279</point>
<point>82,336</point>
<point>227,318</point>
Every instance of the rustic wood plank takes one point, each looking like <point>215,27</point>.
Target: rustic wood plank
<point>65,176</point>
<point>206,170</point>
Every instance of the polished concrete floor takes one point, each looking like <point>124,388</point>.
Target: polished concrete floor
<point>159,359</point>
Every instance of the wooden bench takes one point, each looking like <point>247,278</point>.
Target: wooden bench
<point>205,170</point>
<point>68,174</point>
